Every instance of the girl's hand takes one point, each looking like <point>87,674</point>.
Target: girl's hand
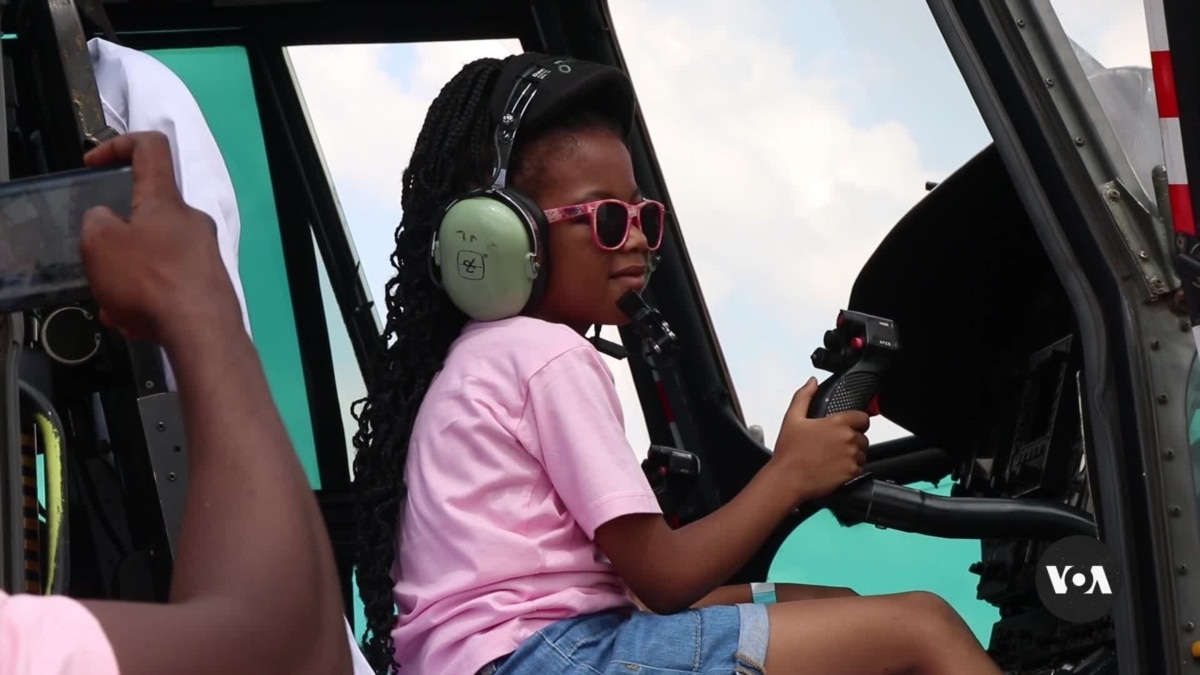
<point>817,456</point>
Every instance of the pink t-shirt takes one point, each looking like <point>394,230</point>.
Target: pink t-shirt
<point>52,635</point>
<point>517,455</point>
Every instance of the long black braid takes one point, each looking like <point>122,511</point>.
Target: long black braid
<point>451,156</point>
<point>421,325</point>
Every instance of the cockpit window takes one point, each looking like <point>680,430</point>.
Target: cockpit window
<point>851,110</point>
<point>1117,66</point>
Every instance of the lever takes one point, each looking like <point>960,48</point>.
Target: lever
<point>673,475</point>
<point>857,352</point>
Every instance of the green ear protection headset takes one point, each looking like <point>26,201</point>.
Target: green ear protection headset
<point>488,252</point>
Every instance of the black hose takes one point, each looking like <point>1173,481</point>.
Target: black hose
<point>908,510</point>
<point>903,508</point>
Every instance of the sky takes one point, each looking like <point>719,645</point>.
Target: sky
<point>802,129</point>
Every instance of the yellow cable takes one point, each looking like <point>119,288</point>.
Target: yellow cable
<point>55,497</point>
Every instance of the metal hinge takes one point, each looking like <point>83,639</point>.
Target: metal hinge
<point>1146,237</point>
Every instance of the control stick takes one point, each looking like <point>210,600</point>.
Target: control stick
<point>857,352</point>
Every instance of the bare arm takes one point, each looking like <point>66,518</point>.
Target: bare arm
<point>812,457</point>
<point>253,573</point>
<point>714,547</point>
<point>254,587</point>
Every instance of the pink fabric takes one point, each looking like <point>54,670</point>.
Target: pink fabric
<point>517,455</point>
<point>52,635</point>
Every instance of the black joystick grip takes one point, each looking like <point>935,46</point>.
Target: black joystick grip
<point>857,353</point>
<point>853,390</point>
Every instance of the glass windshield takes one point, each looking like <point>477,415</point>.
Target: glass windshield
<point>1111,43</point>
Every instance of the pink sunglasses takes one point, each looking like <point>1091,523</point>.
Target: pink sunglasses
<point>612,218</point>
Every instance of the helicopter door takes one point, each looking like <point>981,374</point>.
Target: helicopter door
<point>1081,194</point>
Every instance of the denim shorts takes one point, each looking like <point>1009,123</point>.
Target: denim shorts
<point>723,639</point>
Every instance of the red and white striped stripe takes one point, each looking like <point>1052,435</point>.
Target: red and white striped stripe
<point>1182,215</point>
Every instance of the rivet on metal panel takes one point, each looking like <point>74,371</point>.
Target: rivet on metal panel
<point>1049,81</point>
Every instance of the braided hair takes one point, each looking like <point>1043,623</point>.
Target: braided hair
<point>452,155</point>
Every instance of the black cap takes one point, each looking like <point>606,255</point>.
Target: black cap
<point>564,82</point>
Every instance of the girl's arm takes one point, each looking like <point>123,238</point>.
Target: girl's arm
<point>670,570</point>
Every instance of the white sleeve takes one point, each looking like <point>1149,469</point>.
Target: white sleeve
<point>139,93</point>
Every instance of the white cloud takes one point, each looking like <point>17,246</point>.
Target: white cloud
<point>1113,31</point>
<point>367,121</point>
<point>780,195</point>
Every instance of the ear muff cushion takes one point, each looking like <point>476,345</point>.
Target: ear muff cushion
<point>538,233</point>
<point>485,259</point>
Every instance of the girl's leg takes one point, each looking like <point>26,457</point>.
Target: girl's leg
<point>905,634</point>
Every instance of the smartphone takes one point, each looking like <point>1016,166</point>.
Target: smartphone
<point>40,219</point>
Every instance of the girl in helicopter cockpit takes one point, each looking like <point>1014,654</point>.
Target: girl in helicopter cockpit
<point>504,513</point>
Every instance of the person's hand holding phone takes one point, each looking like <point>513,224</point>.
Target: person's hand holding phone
<point>158,275</point>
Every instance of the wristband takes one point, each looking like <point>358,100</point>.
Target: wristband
<point>764,594</point>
